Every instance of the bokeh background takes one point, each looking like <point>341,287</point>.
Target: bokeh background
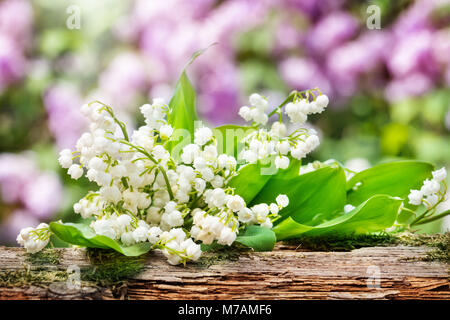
<point>389,87</point>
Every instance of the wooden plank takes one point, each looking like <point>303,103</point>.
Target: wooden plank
<point>285,273</point>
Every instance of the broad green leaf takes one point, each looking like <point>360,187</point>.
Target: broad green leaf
<point>229,138</point>
<point>82,235</point>
<point>259,238</point>
<point>313,197</point>
<point>376,214</point>
<point>405,217</point>
<point>291,172</point>
<point>249,181</point>
<point>393,178</point>
<point>182,112</point>
<point>251,178</point>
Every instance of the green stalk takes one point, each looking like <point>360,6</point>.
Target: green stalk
<point>166,179</point>
<point>419,217</point>
<point>119,123</point>
<point>195,201</point>
<point>148,155</point>
<point>288,99</point>
<point>434,218</point>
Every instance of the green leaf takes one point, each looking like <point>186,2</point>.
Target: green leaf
<point>198,53</point>
<point>394,179</point>
<point>82,235</point>
<point>251,178</point>
<point>229,138</point>
<point>405,217</point>
<point>313,197</point>
<point>182,112</point>
<point>376,214</point>
<point>249,181</point>
<point>259,238</point>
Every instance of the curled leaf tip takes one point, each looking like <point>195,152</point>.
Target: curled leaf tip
<point>197,54</point>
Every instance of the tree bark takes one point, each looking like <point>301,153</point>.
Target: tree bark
<point>285,273</point>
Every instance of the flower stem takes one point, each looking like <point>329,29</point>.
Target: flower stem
<point>121,125</point>
<point>288,99</point>
<point>433,218</point>
<point>419,218</point>
<point>169,189</point>
<point>149,156</point>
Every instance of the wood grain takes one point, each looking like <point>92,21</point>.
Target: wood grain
<point>285,273</point>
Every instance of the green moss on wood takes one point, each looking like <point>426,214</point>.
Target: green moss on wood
<point>227,254</point>
<point>44,257</point>
<point>342,243</point>
<point>40,269</point>
<point>216,253</point>
<point>110,268</point>
<point>19,278</point>
<point>440,243</point>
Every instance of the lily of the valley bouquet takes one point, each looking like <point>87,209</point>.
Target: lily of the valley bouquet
<point>175,184</point>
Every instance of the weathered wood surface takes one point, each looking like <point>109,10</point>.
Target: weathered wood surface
<point>285,273</point>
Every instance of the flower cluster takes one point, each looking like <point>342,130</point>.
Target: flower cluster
<point>299,110</point>
<point>34,239</point>
<point>430,194</point>
<point>256,111</point>
<point>146,194</point>
<point>275,142</point>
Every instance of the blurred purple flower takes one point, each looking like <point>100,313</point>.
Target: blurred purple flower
<point>301,73</point>
<point>231,18</point>
<point>125,76</point>
<point>43,195</point>
<point>343,63</point>
<point>16,20</point>
<point>287,37</point>
<point>15,173</point>
<point>335,52</point>
<point>441,46</point>
<point>167,41</point>
<point>358,56</point>
<point>37,195</point>
<point>414,84</point>
<point>412,53</point>
<point>62,103</point>
<point>420,54</point>
<point>331,31</point>
<point>417,17</point>
<point>12,62</point>
<point>219,89</point>
<point>312,8</point>
<point>349,62</point>
<point>16,220</point>
<point>447,76</point>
